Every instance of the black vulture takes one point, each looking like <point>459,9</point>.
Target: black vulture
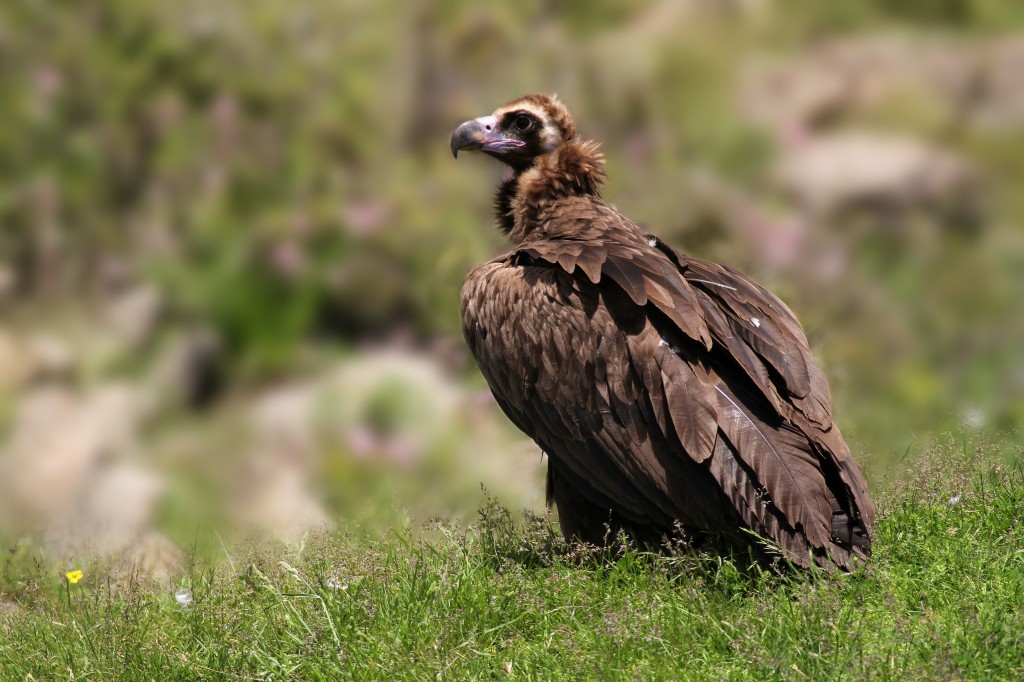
<point>670,393</point>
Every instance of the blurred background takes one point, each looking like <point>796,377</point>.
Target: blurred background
<point>232,238</point>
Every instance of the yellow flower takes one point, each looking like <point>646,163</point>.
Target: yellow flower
<point>74,576</point>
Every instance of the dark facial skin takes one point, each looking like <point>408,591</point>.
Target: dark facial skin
<point>513,137</point>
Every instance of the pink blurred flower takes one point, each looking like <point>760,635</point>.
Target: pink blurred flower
<point>366,217</point>
<point>402,450</point>
<point>362,442</point>
<point>288,259</point>
<point>48,81</point>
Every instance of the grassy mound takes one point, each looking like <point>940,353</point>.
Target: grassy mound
<point>505,598</point>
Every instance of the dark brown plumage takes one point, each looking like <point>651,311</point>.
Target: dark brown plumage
<point>666,390</point>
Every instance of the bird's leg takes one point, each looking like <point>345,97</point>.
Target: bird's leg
<point>583,521</point>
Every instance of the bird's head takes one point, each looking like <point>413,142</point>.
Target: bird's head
<point>519,132</point>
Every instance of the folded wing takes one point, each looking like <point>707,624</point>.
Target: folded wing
<point>669,389</point>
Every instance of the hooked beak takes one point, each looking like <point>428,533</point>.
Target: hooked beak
<point>482,134</point>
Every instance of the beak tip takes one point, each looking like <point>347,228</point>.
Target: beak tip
<point>469,135</point>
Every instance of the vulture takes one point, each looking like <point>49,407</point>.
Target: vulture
<point>672,395</point>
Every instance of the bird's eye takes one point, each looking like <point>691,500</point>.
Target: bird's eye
<point>523,123</point>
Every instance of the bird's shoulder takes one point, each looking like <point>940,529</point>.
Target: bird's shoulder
<point>586,249</point>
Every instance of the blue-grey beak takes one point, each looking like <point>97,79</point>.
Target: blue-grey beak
<point>482,134</point>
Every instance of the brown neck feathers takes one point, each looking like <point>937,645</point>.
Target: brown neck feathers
<point>574,169</point>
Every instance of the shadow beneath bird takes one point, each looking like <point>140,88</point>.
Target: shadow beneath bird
<point>536,543</point>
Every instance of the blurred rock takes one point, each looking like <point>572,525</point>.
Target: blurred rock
<point>39,458</point>
<point>111,512</point>
<point>63,472</point>
<point>100,426</point>
<point>112,520</point>
<point>51,357</point>
<point>115,274</point>
<point>286,417</point>
<point>790,98</point>
<point>133,316</point>
<point>999,100</point>
<point>973,82</point>
<point>831,173</point>
<point>153,556</point>
<point>938,71</point>
<point>8,283</point>
<point>16,362</point>
<point>274,497</point>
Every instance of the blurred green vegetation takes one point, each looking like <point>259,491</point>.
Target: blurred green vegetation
<point>280,172</point>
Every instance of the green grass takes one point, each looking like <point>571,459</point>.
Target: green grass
<point>507,599</point>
